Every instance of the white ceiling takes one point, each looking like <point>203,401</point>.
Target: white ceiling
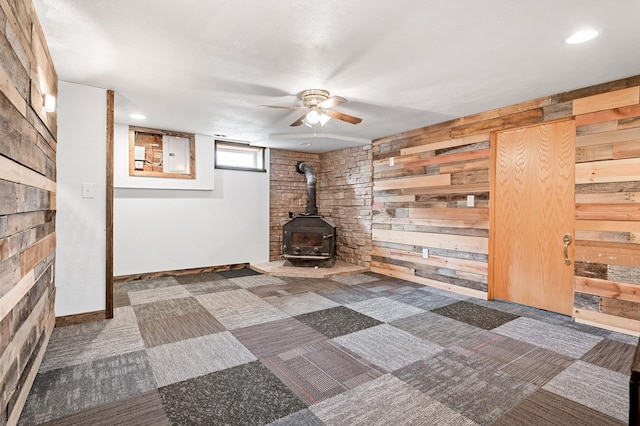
<point>205,66</point>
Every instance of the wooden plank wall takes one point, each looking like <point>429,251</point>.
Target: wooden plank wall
<point>27,203</point>
<point>422,179</point>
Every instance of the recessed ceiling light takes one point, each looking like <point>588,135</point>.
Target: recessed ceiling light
<point>582,36</point>
<point>306,144</point>
<point>137,116</point>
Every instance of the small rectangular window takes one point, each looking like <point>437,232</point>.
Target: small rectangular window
<point>237,156</point>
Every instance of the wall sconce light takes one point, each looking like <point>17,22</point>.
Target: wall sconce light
<point>49,103</point>
<point>314,117</point>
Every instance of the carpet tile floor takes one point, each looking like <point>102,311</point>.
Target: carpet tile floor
<point>240,348</point>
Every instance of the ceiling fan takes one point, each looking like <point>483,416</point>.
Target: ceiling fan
<point>319,103</point>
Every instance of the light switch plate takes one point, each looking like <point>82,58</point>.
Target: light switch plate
<point>425,253</point>
<point>392,161</point>
<point>88,190</point>
<point>470,200</point>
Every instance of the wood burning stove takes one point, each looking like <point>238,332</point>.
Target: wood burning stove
<point>309,239</point>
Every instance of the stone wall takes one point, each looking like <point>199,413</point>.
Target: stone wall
<point>343,193</point>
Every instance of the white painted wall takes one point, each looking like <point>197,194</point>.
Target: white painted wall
<point>188,227</point>
<point>80,222</point>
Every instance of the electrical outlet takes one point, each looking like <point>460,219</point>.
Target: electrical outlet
<point>88,190</point>
<point>470,200</point>
<point>392,161</point>
<point>425,253</point>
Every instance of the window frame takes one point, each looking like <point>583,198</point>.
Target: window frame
<point>259,153</point>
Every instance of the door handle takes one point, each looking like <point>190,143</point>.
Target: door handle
<point>567,239</point>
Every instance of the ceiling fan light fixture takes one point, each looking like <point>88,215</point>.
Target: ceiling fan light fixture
<point>315,117</point>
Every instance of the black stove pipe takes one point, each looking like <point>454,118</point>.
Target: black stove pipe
<point>305,168</point>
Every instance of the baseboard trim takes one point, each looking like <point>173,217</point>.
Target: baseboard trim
<point>160,274</point>
<point>82,318</point>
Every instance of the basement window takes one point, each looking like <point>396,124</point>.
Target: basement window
<point>236,156</point>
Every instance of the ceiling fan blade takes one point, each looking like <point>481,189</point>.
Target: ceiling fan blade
<point>299,121</point>
<point>332,102</point>
<point>282,106</point>
<point>344,117</point>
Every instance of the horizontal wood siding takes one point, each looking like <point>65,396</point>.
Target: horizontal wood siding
<point>422,177</point>
<point>27,203</point>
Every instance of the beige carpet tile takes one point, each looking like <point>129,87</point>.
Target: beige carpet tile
<point>302,303</point>
<point>538,366</point>
<point>543,408</point>
<point>388,347</point>
<point>321,370</point>
<point>139,297</point>
<point>348,295</point>
<point>240,308</point>
<point>195,357</point>
<point>173,329</point>
<point>207,287</point>
<point>598,388</point>
<point>77,344</point>
<point>549,336</point>
<point>256,281</point>
<point>386,401</point>
<point>355,279</point>
<point>276,337</point>
<point>170,308</point>
<point>142,410</point>
<point>612,354</point>
<point>384,309</point>
<point>491,349</point>
<point>438,329</point>
<point>479,393</point>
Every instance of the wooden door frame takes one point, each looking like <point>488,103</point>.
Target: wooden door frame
<point>492,199</point>
<point>108,312</point>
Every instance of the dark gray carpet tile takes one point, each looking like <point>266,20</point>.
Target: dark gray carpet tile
<point>422,299</point>
<point>236,273</point>
<point>611,354</point>
<point>278,336</point>
<point>438,329</point>
<point>61,392</point>
<point>348,295</point>
<point>198,289</point>
<point>321,370</point>
<point>482,394</point>
<point>153,283</point>
<point>337,321</point>
<point>538,366</point>
<point>300,418</point>
<point>199,278</point>
<point>543,408</point>
<point>476,315</point>
<point>248,394</point>
<point>142,410</point>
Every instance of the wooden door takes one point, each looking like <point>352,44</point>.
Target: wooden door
<point>532,208</point>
